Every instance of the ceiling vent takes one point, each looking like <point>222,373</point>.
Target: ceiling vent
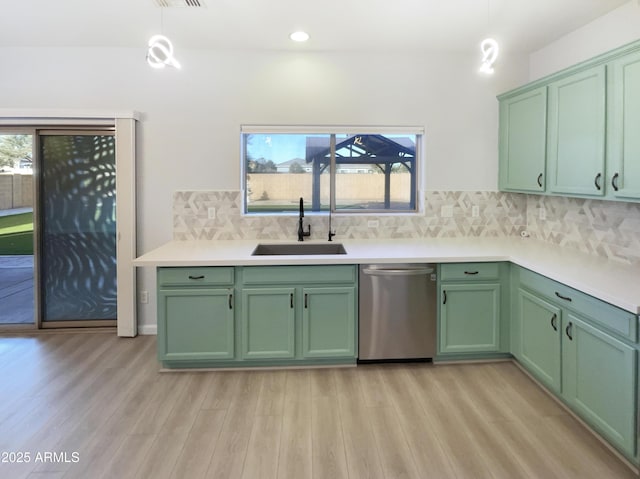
<point>179,3</point>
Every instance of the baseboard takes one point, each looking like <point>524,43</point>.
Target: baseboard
<point>148,329</point>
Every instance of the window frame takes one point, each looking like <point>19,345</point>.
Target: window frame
<point>417,131</point>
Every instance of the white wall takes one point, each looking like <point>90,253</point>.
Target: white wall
<point>189,132</point>
<point>617,28</point>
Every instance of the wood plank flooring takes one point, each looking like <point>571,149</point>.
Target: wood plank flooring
<point>102,398</point>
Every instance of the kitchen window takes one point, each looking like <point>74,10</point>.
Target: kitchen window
<point>343,169</point>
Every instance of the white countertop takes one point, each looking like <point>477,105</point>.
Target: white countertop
<point>610,281</point>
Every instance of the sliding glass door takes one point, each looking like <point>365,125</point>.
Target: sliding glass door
<point>16,228</point>
<point>77,254</point>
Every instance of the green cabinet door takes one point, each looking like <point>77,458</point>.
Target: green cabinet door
<point>623,128</point>
<point>329,322</point>
<point>523,135</point>
<point>599,381</point>
<point>540,339</point>
<point>195,324</point>
<point>469,318</point>
<point>268,323</point>
<point>576,134</point>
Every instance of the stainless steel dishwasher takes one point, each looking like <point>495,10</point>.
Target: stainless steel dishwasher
<point>397,311</point>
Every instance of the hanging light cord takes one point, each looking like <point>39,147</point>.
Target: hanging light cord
<point>488,47</point>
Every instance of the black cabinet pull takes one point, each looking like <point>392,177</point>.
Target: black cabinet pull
<point>291,300</point>
<point>596,181</point>
<point>444,296</point>
<point>306,300</point>
<point>614,182</point>
<point>566,298</point>
<point>471,272</point>
<point>196,277</point>
<point>230,300</point>
<point>540,180</point>
<point>568,331</point>
<point>554,319</point>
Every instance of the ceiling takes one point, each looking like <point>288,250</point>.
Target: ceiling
<point>437,25</point>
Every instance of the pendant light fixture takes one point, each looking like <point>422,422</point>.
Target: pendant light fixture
<point>160,51</point>
<point>489,48</point>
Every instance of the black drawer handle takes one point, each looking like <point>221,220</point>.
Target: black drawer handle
<point>554,323</point>
<point>291,301</point>
<point>196,277</point>
<point>614,182</point>
<point>306,300</point>
<point>230,300</point>
<point>470,273</point>
<point>540,180</point>
<point>444,296</point>
<point>566,298</point>
<point>568,331</point>
<point>596,181</point>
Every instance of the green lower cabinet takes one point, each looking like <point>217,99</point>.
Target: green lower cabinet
<point>540,338</point>
<point>268,323</point>
<point>328,322</point>
<point>584,351</point>
<point>469,318</point>
<point>196,324</point>
<point>599,374</point>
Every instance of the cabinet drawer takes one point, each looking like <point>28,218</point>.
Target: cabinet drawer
<point>299,274</point>
<point>202,276</point>
<point>469,271</point>
<point>603,314</point>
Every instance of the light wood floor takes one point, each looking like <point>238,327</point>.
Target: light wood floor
<point>103,398</point>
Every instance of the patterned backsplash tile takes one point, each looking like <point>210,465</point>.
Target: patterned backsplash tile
<point>499,214</point>
<point>604,228</point>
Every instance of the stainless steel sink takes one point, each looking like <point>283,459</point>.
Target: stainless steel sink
<point>298,249</point>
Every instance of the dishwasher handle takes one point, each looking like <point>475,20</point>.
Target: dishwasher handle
<point>398,272</point>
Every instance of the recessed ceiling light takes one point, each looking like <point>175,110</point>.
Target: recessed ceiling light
<point>299,36</point>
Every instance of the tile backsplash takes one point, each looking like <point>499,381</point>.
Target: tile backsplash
<point>499,214</point>
<point>605,228</point>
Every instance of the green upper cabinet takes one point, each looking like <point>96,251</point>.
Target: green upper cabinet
<point>576,133</point>
<point>623,127</point>
<point>328,322</point>
<point>523,135</point>
<point>268,323</point>
<point>599,378</point>
<point>579,127</point>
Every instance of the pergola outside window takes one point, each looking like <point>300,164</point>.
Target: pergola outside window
<point>347,172</point>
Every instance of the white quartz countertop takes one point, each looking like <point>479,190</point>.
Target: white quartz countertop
<point>610,281</point>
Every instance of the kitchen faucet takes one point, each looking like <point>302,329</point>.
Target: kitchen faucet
<point>331,232</point>
<point>301,232</point>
